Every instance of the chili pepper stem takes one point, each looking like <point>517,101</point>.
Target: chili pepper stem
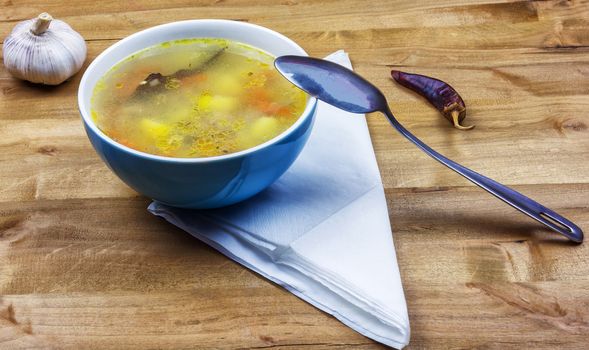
<point>455,115</point>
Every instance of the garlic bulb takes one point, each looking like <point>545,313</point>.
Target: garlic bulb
<point>43,50</point>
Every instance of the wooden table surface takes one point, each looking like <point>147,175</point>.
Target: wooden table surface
<point>84,266</point>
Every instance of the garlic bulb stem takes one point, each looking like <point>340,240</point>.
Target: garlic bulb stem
<point>41,24</point>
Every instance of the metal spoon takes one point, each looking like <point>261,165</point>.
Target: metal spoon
<point>342,88</point>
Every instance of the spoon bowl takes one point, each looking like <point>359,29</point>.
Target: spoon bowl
<point>337,85</point>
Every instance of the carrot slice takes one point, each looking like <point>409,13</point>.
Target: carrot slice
<point>259,99</point>
<point>284,111</point>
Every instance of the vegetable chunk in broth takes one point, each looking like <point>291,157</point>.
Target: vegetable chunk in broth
<point>195,98</point>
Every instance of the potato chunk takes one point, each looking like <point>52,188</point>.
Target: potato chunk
<point>264,128</point>
<point>154,129</point>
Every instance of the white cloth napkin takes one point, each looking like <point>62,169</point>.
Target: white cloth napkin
<point>321,231</point>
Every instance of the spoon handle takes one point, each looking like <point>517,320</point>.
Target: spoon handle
<point>517,200</point>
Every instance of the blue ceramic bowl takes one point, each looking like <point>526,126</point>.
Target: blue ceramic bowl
<point>197,182</point>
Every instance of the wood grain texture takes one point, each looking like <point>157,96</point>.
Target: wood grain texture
<point>84,266</point>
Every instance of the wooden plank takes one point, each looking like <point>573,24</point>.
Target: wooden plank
<point>471,236</point>
<point>176,320</point>
<point>513,24</point>
<point>24,8</point>
<point>306,11</point>
<point>499,315</point>
<point>53,159</point>
<point>514,76</point>
<point>502,316</point>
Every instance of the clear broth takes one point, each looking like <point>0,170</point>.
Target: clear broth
<point>212,97</point>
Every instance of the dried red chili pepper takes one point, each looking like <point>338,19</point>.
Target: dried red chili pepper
<point>438,93</point>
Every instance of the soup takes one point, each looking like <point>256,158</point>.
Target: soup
<point>195,98</point>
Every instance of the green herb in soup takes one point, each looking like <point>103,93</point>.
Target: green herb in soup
<point>195,98</point>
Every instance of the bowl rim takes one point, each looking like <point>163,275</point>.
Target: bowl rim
<point>310,106</point>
